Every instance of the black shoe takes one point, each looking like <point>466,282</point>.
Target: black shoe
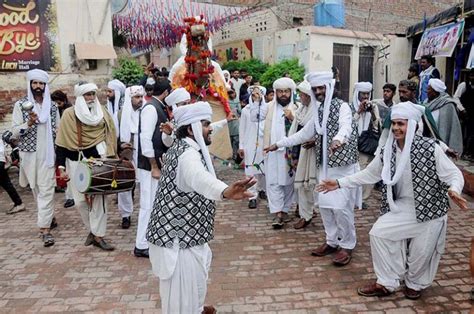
<point>69,203</point>
<point>277,222</point>
<point>262,195</point>
<point>253,203</point>
<point>140,253</point>
<point>54,223</point>
<point>89,240</point>
<point>102,244</point>
<point>126,222</point>
<point>48,239</point>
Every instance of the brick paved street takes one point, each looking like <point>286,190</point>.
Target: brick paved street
<point>254,268</point>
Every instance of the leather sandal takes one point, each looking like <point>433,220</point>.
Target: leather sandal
<point>48,239</point>
<point>373,290</point>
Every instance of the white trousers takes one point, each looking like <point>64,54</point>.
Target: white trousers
<point>280,197</point>
<point>306,202</point>
<point>148,187</point>
<point>68,194</point>
<point>43,192</point>
<point>125,203</point>
<point>339,227</point>
<point>413,260</point>
<point>94,217</point>
<point>364,161</point>
<point>183,277</point>
<point>259,186</point>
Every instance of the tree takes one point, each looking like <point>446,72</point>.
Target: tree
<point>128,72</point>
<point>278,70</point>
<point>254,67</point>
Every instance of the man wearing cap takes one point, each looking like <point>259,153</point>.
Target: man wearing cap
<point>87,130</point>
<point>443,109</point>
<point>280,166</point>
<point>182,219</point>
<point>150,150</point>
<point>336,157</point>
<point>129,115</point>
<point>251,126</point>
<point>407,240</point>
<point>35,127</point>
<point>115,92</point>
<point>305,178</point>
<point>366,115</point>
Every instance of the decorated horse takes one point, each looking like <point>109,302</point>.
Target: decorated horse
<point>203,78</point>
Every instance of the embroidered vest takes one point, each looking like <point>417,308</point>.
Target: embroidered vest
<point>28,136</point>
<point>431,195</point>
<point>348,154</point>
<point>176,214</point>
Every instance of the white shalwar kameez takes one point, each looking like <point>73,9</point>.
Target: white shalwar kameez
<point>183,273</point>
<point>280,187</point>
<point>251,141</point>
<point>398,230</point>
<point>336,207</point>
<point>34,170</point>
<point>148,184</point>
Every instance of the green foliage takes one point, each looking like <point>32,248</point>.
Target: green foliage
<point>254,67</point>
<point>278,70</point>
<point>128,72</point>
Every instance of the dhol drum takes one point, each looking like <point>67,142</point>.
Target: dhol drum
<point>104,176</point>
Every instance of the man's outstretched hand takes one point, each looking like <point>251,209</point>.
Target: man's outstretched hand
<point>270,148</point>
<point>327,186</point>
<point>238,189</point>
<point>458,199</point>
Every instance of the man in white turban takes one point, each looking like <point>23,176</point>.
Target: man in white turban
<point>86,130</point>
<point>251,126</point>
<point>443,109</point>
<point>366,115</point>
<point>336,157</point>
<point>115,92</point>
<point>129,115</point>
<point>280,166</point>
<point>182,219</point>
<point>35,118</point>
<point>407,240</point>
<point>306,174</point>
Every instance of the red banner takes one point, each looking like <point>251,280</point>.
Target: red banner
<point>28,35</point>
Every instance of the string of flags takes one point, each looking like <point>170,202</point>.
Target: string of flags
<point>159,23</point>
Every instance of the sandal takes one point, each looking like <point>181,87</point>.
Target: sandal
<point>48,239</point>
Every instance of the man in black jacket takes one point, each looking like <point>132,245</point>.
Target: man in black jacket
<point>150,150</point>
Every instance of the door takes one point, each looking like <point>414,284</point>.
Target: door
<point>342,60</point>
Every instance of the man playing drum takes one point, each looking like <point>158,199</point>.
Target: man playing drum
<point>86,131</point>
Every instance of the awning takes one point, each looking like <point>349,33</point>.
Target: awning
<point>89,51</point>
<point>441,18</point>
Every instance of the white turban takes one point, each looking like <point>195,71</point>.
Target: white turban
<point>437,85</point>
<point>177,96</point>
<point>319,79</point>
<point>129,121</point>
<point>92,116</point>
<point>258,111</point>
<point>150,81</point>
<point>43,112</point>
<point>305,87</point>
<point>364,117</point>
<point>192,115</point>
<point>284,83</point>
<point>80,90</point>
<point>113,108</point>
<point>262,89</point>
<point>413,113</point>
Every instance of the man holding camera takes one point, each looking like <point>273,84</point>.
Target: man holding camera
<point>366,116</point>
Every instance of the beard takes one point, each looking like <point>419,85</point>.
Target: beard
<point>207,139</point>
<point>111,99</point>
<point>283,100</point>
<point>37,91</point>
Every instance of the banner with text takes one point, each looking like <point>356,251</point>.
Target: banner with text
<point>440,41</point>
<point>28,35</point>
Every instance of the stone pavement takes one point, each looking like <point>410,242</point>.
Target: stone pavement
<point>254,268</point>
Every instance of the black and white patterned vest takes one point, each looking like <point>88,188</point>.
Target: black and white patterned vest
<point>28,136</point>
<point>176,214</point>
<point>348,154</point>
<point>430,193</point>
